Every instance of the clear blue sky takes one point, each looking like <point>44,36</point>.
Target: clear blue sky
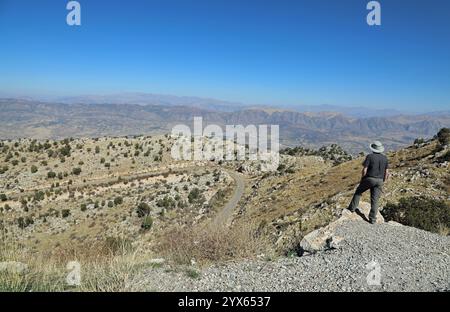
<point>253,51</point>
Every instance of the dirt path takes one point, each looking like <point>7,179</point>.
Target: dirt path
<point>223,217</point>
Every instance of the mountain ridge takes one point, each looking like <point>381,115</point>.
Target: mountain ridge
<point>43,120</point>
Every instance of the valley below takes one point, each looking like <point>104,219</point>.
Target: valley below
<point>138,220</point>
<point>80,117</point>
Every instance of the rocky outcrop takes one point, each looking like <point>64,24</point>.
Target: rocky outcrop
<point>325,237</point>
<point>410,260</point>
<point>333,152</point>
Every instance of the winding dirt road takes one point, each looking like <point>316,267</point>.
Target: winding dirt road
<point>224,216</point>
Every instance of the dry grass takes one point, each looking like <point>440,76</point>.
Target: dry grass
<point>443,230</point>
<point>212,244</point>
<point>102,268</point>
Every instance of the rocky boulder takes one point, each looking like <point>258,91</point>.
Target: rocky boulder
<point>325,238</point>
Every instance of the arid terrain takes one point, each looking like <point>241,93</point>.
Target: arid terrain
<point>224,146</point>
<point>123,208</point>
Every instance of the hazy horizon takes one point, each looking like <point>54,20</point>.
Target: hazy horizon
<point>271,53</point>
<point>237,105</point>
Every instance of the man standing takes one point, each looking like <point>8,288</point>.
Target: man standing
<point>374,174</point>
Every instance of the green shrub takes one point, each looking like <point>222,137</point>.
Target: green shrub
<point>3,197</point>
<point>166,202</point>
<point>76,171</point>
<point>39,195</point>
<point>83,207</point>
<point>444,136</point>
<point>193,195</point>
<point>118,200</point>
<point>3,169</point>
<point>65,150</point>
<point>110,204</point>
<point>143,209</point>
<point>24,222</point>
<point>34,169</point>
<point>191,273</point>
<point>147,223</point>
<point>421,212</point>
<point>65,213</point>
<point>51,175</point>
<point>281,167</point>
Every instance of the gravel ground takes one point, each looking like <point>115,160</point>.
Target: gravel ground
<point>409,260</point>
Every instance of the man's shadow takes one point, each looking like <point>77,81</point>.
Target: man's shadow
<point>359,213</point>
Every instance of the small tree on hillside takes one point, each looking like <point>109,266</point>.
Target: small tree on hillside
<point>444,136</point>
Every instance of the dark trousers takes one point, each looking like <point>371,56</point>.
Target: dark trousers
<point>376,186</point>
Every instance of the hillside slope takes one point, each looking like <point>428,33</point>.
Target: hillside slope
<point>123,207</point>
<point>409,260</point>
<point>290,204</point>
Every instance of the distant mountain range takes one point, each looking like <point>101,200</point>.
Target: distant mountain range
<point>41,120</point>
<point>141,98</point>
<point>150,99</point>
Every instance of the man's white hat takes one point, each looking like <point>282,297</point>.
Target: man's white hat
<point>376,147</point>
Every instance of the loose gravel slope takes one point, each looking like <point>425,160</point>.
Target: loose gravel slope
<point>409,260</point>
